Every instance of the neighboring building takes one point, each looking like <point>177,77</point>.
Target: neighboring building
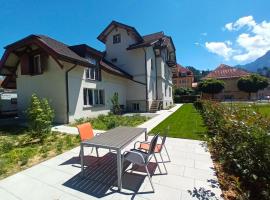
<point>79,80</point>
<point>182,77</point>
<point>230,76</point>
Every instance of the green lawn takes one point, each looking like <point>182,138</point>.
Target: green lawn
<point>186,123</point>
<point>263,108</point>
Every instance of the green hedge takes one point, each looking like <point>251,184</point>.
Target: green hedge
<point>240,139</point>
<point>186,98</point>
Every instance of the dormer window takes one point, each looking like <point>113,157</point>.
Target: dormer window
<point>91,60</point>
<point>116,39</point>
<point>92,73</point>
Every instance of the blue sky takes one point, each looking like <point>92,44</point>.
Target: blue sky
<point>196,26</point>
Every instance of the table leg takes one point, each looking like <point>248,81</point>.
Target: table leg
<point>119,170</point>
<point>82,161</point>
<point>146,136</point>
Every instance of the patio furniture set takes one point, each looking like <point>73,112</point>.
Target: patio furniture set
<point>117,139</point>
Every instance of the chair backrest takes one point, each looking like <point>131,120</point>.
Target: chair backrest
<point>165,135</point>
<point>85,131</point>
<point>153,144</point>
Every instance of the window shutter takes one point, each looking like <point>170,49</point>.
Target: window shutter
<point>25,64</point>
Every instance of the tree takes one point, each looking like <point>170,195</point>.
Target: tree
<point>252,84</point>
<point>211,86</point>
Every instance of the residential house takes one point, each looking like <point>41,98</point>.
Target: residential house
<point>79,81</point>
<point>182,77</point>
<point>230,75</point>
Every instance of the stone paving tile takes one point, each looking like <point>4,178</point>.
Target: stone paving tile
<point>161,193</point>
<point>32,189</point>
<point>199,174</point>
<point>7,195</point>
<point>177,182</point>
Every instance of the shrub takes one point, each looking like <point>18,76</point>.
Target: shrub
<point>6,146</point>
<point>40,116</point>
<point>186,98</point>
<point>115,104</point>
<point>240,139</point>
<point>59,146</point>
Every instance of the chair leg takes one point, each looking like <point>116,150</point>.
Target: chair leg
<point>167,153</point>
<point>97,152</point>
<point>157,163</point>
<point>163,163</point>
<point>92,150</point>
<point>148,174</point>
<point>80,153</point>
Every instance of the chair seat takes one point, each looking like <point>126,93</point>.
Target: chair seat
<point>135,158</point>
<point>146,146</point>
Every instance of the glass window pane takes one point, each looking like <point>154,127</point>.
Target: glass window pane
<point>101,96</point>
<point>90,96</point>
<point>84,96</point>
<point>87,73</point>
<point>96,97</point>
<point>92,73</point>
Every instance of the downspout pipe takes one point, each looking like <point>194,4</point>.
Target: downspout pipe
<point>146,80</point>
<point>156,78</point>
<point>67,91</point>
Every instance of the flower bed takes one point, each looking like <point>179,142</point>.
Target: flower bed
<point>20,150</point>
<point>105,122</point>
<point>240,141</point>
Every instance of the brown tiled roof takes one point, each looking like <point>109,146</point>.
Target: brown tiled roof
<point>104,33</point>
<point>110,67</point>
<point>225,71</point>
<point>180,69</point>
<point>148,40</point>
<point>183,69</point>
<point>61,49</point>
<point>81,50</point>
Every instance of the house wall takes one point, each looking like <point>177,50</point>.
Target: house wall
<point>230,92</point>
<point>110,84</point>
<point>131,61</point>
<point>183,82</point>
<point>50,85</point>
<point>164,83</point>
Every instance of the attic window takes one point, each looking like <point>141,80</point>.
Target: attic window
<point>116,39</point>
<point>37,64</point>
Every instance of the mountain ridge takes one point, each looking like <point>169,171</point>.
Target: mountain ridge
<point>259,63</point>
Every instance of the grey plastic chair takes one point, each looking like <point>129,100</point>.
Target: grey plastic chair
<point>142,158</point>
<point>144,145</point>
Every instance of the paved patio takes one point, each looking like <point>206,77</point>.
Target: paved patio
<point>190,175</point>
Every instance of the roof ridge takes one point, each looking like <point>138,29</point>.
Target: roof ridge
<point>159,32</point>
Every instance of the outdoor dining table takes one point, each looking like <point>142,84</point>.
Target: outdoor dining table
<point>115,139</point>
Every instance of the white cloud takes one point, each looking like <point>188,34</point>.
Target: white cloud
<point>252,43</point>
<point>229,26</point>
<point>240,23</point>
<point>220,48</point>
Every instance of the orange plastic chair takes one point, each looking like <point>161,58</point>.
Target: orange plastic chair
<point>86,133</point>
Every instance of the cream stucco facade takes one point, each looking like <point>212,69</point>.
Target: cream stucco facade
<point>141,77</point>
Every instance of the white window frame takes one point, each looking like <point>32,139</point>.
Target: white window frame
<point>95,92</point>
<point>88,73</point>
